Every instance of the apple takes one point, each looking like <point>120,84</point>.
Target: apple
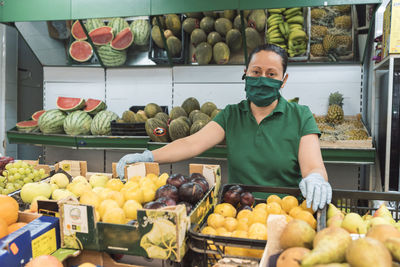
<point>97,180</point>
<point>31,190</point>
<point>60,179</point>
<point>78,188</point>
<point>62,193</point>
<point>79,179</point>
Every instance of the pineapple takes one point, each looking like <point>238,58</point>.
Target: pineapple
<point>335,112</point>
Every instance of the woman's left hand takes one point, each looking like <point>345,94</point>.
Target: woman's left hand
<point>316,190</point>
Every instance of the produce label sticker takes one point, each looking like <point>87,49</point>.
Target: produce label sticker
<point>75,219</point>
<point>44,244</point>
<point>66,167</point>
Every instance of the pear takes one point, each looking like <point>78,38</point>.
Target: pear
<point>297,233</point>
<point>393,245</point>
<point>333,265</point>
<point>382,232</point>
<point>376,221</point>
<point>383,212</point>
<point>353,223</point>
<point>60,179</point>
<point>397,225</point>
<point>367,217</point>
<point>336,220</point>
<point>78,179</point>
<point>291,257</point>
<point>332,211</point>
<point>330,245</point>
<point>367,252</point>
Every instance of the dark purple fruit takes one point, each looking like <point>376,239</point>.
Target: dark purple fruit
<point>189,206</point>
<point>247,199</point>
<point>176,180</point>
<point>167,201</point>
<point>154,205</point>
<point>196,175</point>
<point>202,182</point>
<point>232,197</point>
<point>169,191</point>
<point>245,208</point>
<point>191,192</point>
<point>236,188</point>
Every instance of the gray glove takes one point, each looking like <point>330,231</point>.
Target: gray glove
<point>146,156</point>
<point>316,190</point>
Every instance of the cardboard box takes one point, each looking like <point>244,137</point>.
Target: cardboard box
<point>97,258</point>
<point>72,167</point>
<point>41,236</point>
<point>80,229</point>
<point>391,29</point>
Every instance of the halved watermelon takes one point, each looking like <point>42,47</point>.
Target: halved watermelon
<point>70,103</point>
<point>37,114</point>
<point>77,31</point>
<point>102,35</point>
<point>27,126</point>
<point>81,51</point>
<point>123,39</point>
<point>93,106</point>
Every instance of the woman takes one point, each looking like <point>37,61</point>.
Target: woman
<point>269,141</point>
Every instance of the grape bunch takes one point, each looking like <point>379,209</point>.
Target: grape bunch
<point>4,161</point>
<point>17,174</point>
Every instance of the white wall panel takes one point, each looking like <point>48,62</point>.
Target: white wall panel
<point>138,86</point>
<point>74,74</point>
<point>204,74</point>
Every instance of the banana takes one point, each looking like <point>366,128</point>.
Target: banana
<point>276,31</point>
<point>291,10</point>
<point>273,16</point>
<point>297,35</point>
<point>270,37</point>
<point>295,26</point>
<point>294,15</point>
<point>270,29</point>
<point>282,29</point>
<point>275,10</point>
<point>275,21</point>
<point>276,40</point>
<point>286,25</point>
<point>297,19</point>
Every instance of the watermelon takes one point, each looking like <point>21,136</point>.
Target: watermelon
<point>27,126</point>
<point>102,35</point>
<point>157,130</point>
<point>37,114</point>
<point>77,31</point>
<point>77,123</point>
<point>80,51</point>
<point>141,31</point>
<point>70,103</point>
<point>52,121</point>
<point>92,24</point>
<point>117,24</point>
<point>94,106</point>
<point>111,57</point>
<point>123,39</point>
<point>178,129</point>
<point>101,123</point>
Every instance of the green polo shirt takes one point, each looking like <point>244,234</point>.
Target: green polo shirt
<point>266,153</point>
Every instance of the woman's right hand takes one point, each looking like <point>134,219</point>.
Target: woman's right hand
<point>146,156</point>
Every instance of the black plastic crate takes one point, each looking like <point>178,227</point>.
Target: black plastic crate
<point>160,56</point>
<point>128,129</point>
<point>137,108</point>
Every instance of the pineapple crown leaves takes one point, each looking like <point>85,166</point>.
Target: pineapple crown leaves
<point>336,98</point>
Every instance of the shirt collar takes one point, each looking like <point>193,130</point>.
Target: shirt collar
<point>280,108</point>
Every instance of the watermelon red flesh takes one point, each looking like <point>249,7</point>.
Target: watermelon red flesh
<point>102,35</point>
<point>70,103</point>
<point>81,51</point>
<point>27,124</point>
<point>37,115</point>
<point>92,104</point>
<point>77,31</point>
<point>123,39</point>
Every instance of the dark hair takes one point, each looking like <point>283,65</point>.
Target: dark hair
<point>273,48</point>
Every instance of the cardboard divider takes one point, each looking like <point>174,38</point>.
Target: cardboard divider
<point>146,167</point>
<point>73,167</point>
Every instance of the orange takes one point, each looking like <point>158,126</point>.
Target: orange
<point>15,226</point>
<point>114,184</point>
<point>274,198</point>
<point>215,220</point>
<point>225,209</point>
<point>3,228</point>
<point>294,211</point>
<point>208,230</point>
<point>258,231</point>
<point>273,208</point>
<point>288,203</point>
<point>243,214</point>
<point>307,217</point>
<point>230,224</point>
<point>259,216</point>
<point>243,224</point>
<point>8,209</point>
<point>304,207</point>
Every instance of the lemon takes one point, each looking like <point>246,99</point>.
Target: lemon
<point>114,184</point>
<point>117,196</point>
<point>243,224</point>
<point>208,230</point>
<point>114,215</point>
<point>90,198</point>
<point>149,194</point>
<point>162,180</point>
<point>215,220</point>
<point>225,209</point>
<point>131,184</point>
<point>135,194</point>
<point>258,231</point>
<point>130,209</point>
<point>153,177</point>
<point>107,204</point>
<point>288,203</point>
<point>274,198</point>
<point>261,206</point>
<point>259,216</point>
<point>243,214</point>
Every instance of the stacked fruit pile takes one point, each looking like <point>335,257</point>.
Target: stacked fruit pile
<point>171,27</point>
<point>285,29</point>
<point>17,174</point>
<point>331,32</point>
<point>334,246</point>
<point>4,161</point>
<point>30,125</point>
<point>215,36</point>
<point>111,40</point>
<point>9,216</point>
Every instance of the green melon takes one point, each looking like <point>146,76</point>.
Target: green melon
<point>52,121</point>
<point>213,38</point>
<point>234,40</point>
<point>257,19</point>
<point>207,24</point>
<point>228,14</point>
<point>185,119</point>
<point>214,113</point>
<point>246,13</point>
<point>176,112</point>
<point>128,116</point>
<point>141,31</point>
<point>162,116</point>
<point>190,24</point>
<point>173,22</point>
<point>237,23</point>
<point>208,108</point>
<point>200,116</point>
<point>196,15</point>
<point>140,116</point>
<point>157,130</point>
<point>111,57</point>
<point>152,109</point>
<point>222,26</point>
<point>174,46</point>
<point>221,53</point>
<point>117,25</point>
<point>77,123</point>
<point>198,36</point>
<point>253,38</point>
<point>162,21</point>
<point>156,36</point>
<point>178,129</point>
<point>212,14</point>
<point>190,104</point>
<point>197,126</point>
<point>191,115</point>
<point>101,123</point>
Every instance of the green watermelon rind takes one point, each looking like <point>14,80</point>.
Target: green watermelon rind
<point>92,24</point>
<point>111,57</point>
<point>141,30</point>
<point>52,121</point>
<point>26,129</point>
<point>77,123</point>
<point>117,24</point>
<point>101,123</point>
